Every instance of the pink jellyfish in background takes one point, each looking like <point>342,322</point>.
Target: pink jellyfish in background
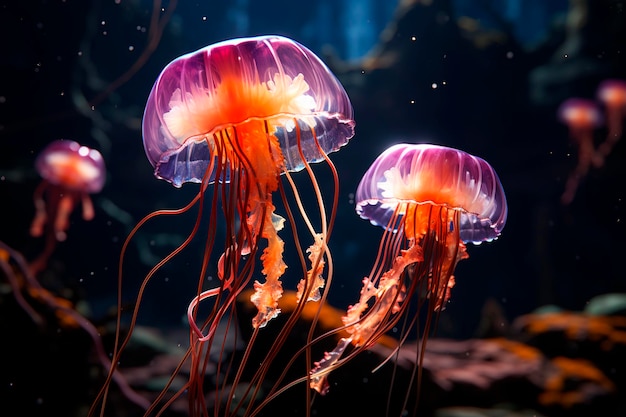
<point>581,116</point>
<point>612,93</point>
<point>70,172</point>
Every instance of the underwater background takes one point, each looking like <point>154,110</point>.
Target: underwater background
<point>486,77</point>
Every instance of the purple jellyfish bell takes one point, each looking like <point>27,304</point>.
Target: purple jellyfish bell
<point>437,175</point>
<point>193,98</point>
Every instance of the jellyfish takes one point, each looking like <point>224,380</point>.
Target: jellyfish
<point>581,116</point>
<point>430,200</point>
<point>612,93</point>
<point>70,173</point>
<point>238,118</point>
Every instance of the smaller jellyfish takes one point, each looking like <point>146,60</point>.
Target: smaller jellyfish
<point>581,116</point>
<point>70,173</point>
<point>612,93</point>
<point>430,200</point>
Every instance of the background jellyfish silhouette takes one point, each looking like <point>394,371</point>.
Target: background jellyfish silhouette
<point>430,200</point>
<point>70,173</point>
<point>612,94</point>
<point>235,117</point>
<point>583,118</point>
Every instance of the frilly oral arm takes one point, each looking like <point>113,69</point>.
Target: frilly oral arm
<point>319,374</point>
<point>315,252</point>
<point>267,294</point>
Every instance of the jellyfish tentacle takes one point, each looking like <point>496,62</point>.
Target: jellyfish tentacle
<point>213,292</point>
<point>262,162</point>
<point>192,309</point>
<point>301,209</point>
<point>310,287</point>
<point>88,210</point>
<point>366,323</point>
<point>612,93</point>
<point>41,217</point>
<point>443,244</point>
<point>388,295</point>
<point>62,220</point>
<point>614,134</point>
<point>119,343</point>
<point>202,295</point>
<point>319,257</point>
<point>335,201</point>
<point>362,321</point>
<point>235,199</point>
<point>265,162</point>
<point>322,368</point>
<point>249,199</point>
<point>314,282</point>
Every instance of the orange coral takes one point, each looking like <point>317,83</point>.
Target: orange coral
<point>559,392</point>
<point>607,330</point>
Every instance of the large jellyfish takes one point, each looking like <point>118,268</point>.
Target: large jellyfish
<point>430,200</point>
<point>235,117</point>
